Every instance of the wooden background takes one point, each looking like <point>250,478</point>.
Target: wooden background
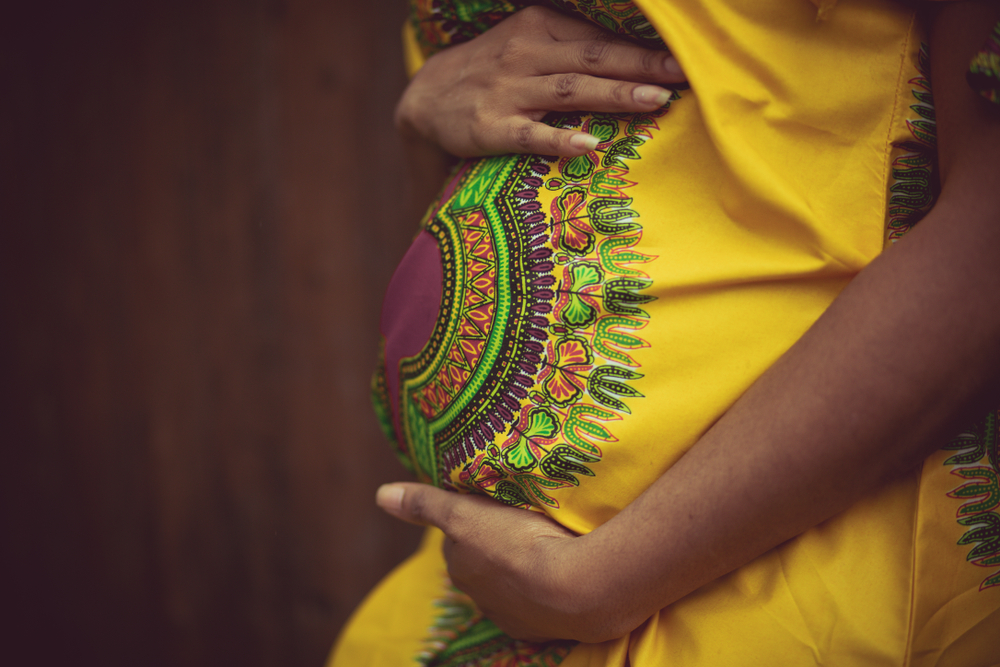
<point>201,207</point>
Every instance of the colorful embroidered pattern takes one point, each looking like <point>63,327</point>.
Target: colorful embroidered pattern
<point>913,188</point>
<point>620,17</point>
<point>534,352</point>
<point>978,464</point>
<point>593,312</point>
<point>984,70</point>
<point>462,637</point>
<point>441,23</point>
<point>533,355</point>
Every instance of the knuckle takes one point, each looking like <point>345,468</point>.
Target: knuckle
<point>620,92</point>
<point>552,142</point>
<point>513,50</point>
<point>650,62</point>
<point>565,86</point>
<point>523,136</point>
<point>555,142</point>
<point>480,117</point>
<point>416,505</point>
<point>594,53</point>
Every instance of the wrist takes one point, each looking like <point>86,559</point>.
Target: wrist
<point>578,594</point>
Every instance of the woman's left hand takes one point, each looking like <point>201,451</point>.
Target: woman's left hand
<point>525,572</point>
<point>489,96</point>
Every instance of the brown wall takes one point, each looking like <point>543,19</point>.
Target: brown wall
<point>200,209</point>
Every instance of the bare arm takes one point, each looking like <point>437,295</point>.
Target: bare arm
<point>906,354</point>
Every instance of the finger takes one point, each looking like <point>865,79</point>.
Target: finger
<point>610,59</point>
<point>523,135</point>
<point>425,505</point>
<point>571,92</point>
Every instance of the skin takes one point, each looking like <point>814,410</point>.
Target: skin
<point>488,96</point>
<point>906,356</point>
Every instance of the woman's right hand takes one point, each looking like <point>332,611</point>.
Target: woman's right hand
<point>489,95</point>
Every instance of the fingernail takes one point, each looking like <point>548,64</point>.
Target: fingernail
<point>673,67</point>
<point>651,95</point>
<point>390,497</point>
<point>585,141</point>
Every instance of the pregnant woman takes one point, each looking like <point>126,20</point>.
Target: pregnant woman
<point>671,330</point>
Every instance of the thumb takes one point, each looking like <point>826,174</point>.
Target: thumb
<point>421,504</point>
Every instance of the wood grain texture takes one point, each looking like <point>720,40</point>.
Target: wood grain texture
<point>201,209</point>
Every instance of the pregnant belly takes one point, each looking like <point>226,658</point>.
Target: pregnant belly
<point>512,324</point>
<point>564,329</point>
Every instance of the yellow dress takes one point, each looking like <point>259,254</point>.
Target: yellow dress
<point>563,330</point>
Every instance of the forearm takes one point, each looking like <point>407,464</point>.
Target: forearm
<point>905,356</point>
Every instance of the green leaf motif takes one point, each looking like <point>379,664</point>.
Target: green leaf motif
<point>610,341</point>
<point>975,444</point>
<point>609,23</point>
<point>605,129</point>
<point>924,111</point>
<point>547,483</point>
<point>607,383</point>
<point>577,313</point>
<point>644,124</point>
<point>578,428</point>
<point>611,215</point>
<point>578,168</point>
<point>519,456</point>
<point>609,182</point>
<point>563,462</point>
<point>585,274</point>
<point>924,130</point>
<point>621,296</point>
<point>987,490</point>
<point>542,424</point>
<point>623,149</point>
<point>510,493</point>
<point>531,483</point>
<point>923,96</point>
<point>984,529</point>
<point>992,580</point>
<point>613,253</point>
<point>641,28</point>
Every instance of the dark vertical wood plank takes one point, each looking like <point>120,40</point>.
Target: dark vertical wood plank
<point>200,211</point>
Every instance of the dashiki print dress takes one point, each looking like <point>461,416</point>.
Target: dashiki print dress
<point>562,330</point>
